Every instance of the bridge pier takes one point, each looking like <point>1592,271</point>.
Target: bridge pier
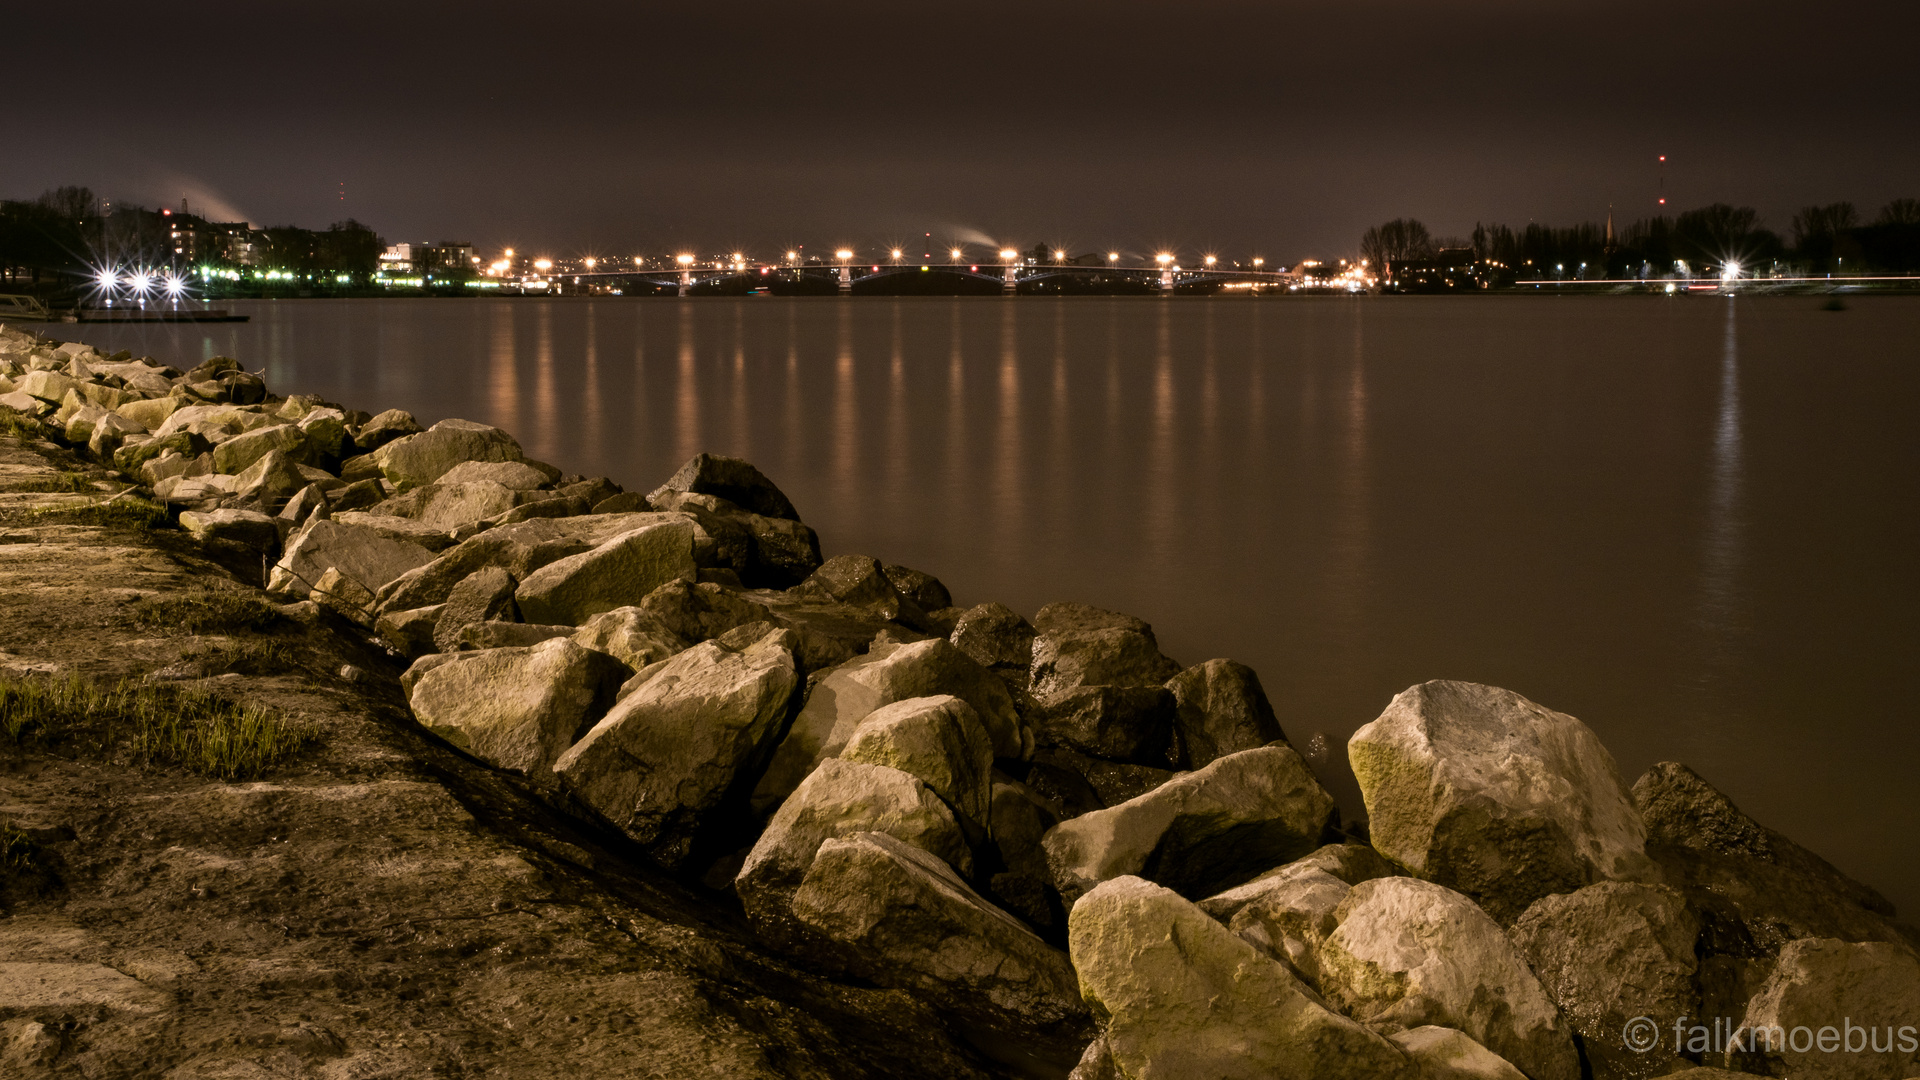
<point>846,280</point>
<point>686,281</point>
<point>1011,285</point>
<point>1166,279</point>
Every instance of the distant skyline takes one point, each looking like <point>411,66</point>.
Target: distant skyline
<point>1278,128</point>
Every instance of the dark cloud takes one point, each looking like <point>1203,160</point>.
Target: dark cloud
<point>1286,127</point>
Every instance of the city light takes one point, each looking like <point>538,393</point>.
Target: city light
<point>896,253</point>
<point>1009,254</point>
<point>140,282</point>
<point>684,260</point>
<point>173,286</point>
<point>1211,259</point>
<point>1163,258</point>
<point>543,265</point>
<point>1113,256</point>
<point>1059,256</point>
<point>591,261</point>
<point>1730,272</point>
<point>1258,262</point>
<point>956,253</point>
<point>792,255</point>
<point>843,253</point>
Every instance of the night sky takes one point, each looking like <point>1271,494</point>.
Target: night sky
<point>1275,128</point>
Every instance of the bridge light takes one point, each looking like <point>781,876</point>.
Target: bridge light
<point>1009,254</point>
<point>1211,259</point>
<point>684,260</point>
<point>956,253</point>
<point>1163,258</point>
<point>1259,262</point>
<point>543,265</point>
<point>592,262</point>
<point>843,253</point>
<point>792,255</point>
<point>1059,256</point>
<point>1113,256</point>
<point>896,253</point>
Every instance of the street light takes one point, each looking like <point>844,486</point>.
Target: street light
<point>896,254</point>
<point>1059,256</point>
<point>592,262</point>
<point>1113,256</point>
<point>956,253</point>
<point>1009,254</point>
<point>684,260</point>
<point>1163,258</point>
<point>543,265</point>
<point>843,254</point>
<point>1259,262</point>
<point>1211,259</point>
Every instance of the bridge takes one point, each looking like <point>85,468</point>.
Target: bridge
<point>1006,277</point>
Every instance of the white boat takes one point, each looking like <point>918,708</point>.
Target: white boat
<point>16,307</point>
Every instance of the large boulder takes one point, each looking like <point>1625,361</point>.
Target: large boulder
<point>919,586</point>
<point>1118,723</point>
<point>363,555</point>
<point>1759,889</point>
<point>515,708</point>
<point>838,799</point>
<point>1179,996</point>
<point>1020,818</point>
<point>385,428</point>
<point>1611,952</point>
<point>484,595</point>
<point>234,455</point>
<point>619,572</point>
<point>247,527</point>
<point>632,635</point>
<point>1485,792</point>
<point>886,674</point>
<point>734,480</point>
<point>413,460</point>
<point>1350,864</point>
<point>860,581</point>
<point>1220,709</point>
<point>902,918</point>
<point>514,475</point>
<point>271,480</point>
<point>1289,912</point>
<point>998,639</point>
<point>1409,952</point>
<point>700,611</point>
<point>666,755</point>
<point>1201,831</point>
<point>938,740</point>
<point>447,507</point>
<point>1441,1053</point>
<point>1078,645</point>
<point>1834,1010</point>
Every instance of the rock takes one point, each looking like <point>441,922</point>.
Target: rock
<point>620,571</point>
<point>358,495</point>
<point>1609,953</point>
<point>593,492</point>
<point>150,413</point>
<point>734,480</point>
<point>344,596</point>
<point>1290,918</point>
<point>1119,723</point>
<point>361,554</point>
<point>699,611</point>
<point>1410,952</point>
<point>903,919</point>
<point>1020,819</point>
<point>409,632</point>
<point>394,528</point>
<point>1201,831</point>
<point>1349,864</point>
<point>514,475</point>
<point>384,428</point>
<point>666,755</point>
<point>325,432</point>
<point>632,635</point>
<point>565,506</point>
<point>1836,1010</point>
<point>626,502</point>
<point>1759,889</point>
<point>839,798</point>
<point>79,423</point>
<point>271,480</point>
<point>1096,1063</point>
<point>516,708</point>
<point>236,454</point>
<point>785,552</point>
<point>859,581</point>
<point>1084,646</point>
<point>1220,709</point>
<point>1485,792</point>
<point>480,596</point>
<point>1179,996</point>
<point>1441,1053</point>
<point>1068,776</point>
<point>306,503</point>
<point>923,589</point>
<point>109,432</point>
<point>414,460</point>
<point>997,639</point>
<point>886,674</point>
<point>938,740</point>
<point>245,527</point>
<point>498,634</point>
<point>447,507</point>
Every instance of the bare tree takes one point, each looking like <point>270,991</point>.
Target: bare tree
<point>1396,241</point>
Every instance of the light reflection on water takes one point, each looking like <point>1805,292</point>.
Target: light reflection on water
<point>1689,522</point>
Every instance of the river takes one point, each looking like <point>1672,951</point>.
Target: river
<point>1690,522</point>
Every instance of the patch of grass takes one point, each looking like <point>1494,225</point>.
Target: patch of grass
<point>16,851</point>
<point>21,425</point>
<point>246,658</point>
<point>130,515</point>
<point>62,482</point>
<point>205,613</point>
<point>153,725</point>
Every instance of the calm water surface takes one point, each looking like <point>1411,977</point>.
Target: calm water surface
<point>1691,523</point>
